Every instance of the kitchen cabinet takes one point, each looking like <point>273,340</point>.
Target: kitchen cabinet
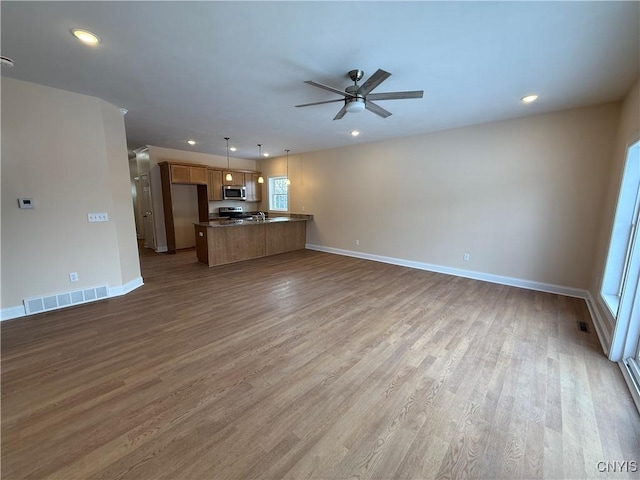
<point>254,189</point>
<point>238,178</point>
<point>207,180</point>
<point>215,185</point>
<point>188,174</point>
<point>285,237</point>
<point>220,244</point>
<point>170,175</point>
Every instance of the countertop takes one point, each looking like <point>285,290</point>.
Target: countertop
<point>233,222</point>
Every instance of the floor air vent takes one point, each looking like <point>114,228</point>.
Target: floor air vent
<point>583,327</point>
<point>61,300</point>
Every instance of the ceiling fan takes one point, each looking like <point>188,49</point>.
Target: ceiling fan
<point>358,97</point>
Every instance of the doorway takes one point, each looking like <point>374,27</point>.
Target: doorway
<point>147,213</point>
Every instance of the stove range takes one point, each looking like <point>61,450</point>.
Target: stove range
<point>232,212</point>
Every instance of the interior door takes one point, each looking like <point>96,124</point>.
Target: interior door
<point>147,213</point>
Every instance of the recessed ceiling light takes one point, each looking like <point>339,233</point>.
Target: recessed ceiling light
<point>265,154</point>
<point>355,133</point>
<point>85,36</point>
<point>191,142</point>
<point>529,98</point>
<point>233,149</point>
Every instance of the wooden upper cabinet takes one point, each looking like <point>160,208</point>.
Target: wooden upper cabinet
<point>212,178</point>
<point>258,196</point>
<point>215,185</point>
<point>238,178</point>
<point>198,175</point>
<point>254,189</point>
<point>188,174</point>
<point>179,174</point>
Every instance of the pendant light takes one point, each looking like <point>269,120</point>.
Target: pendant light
<point>260,178</point>
<point>228,177</point>
<point>288,181</point>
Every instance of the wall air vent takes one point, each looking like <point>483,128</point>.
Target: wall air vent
<point>66,299</point>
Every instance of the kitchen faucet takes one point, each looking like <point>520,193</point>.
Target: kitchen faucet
<point>262,215</point>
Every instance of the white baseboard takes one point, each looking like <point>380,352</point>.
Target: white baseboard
<point>604,334</point>
<point>19,310</point>
<point>601,331</point>
<point>126,288</point>
<point>458,272</point>
<point>12,312</point>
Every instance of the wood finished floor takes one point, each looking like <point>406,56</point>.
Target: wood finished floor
<point>311,365</point>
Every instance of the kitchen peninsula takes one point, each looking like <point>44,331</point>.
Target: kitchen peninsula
<point>226,241</point>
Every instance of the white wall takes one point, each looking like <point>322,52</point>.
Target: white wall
<point>68,152</point>
<point>523,197</point>
<point>183,210</point>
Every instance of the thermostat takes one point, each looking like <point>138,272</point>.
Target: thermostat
<point>25,203</point>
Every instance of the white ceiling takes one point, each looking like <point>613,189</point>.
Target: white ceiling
<point>206,70</point>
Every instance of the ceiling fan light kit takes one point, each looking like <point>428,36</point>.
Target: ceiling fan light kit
<point>355,105</point>
<point>359,97</point>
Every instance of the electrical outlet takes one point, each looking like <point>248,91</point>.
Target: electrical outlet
<point>98,217</point>
<point>466,257</point>
<point>357,242</point>
<point>73,277</point>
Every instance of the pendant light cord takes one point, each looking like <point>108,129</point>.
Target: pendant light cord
<point>260,177</point>
<point>229,176</point>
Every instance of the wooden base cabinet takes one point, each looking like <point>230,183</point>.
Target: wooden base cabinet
<point>285,237</point>
<point>222,245</point>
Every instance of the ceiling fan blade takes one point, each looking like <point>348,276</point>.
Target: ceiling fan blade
<point>320,103</point>
<point>331,89</point>
<point>395,95</point>
<point>373,81</point>
<point>377,109</point>
<point>341,113</point>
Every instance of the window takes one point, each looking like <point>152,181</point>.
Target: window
<point>624,226</point>
<point>278,194</point>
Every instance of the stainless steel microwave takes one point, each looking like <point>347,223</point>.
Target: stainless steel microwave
<point>234,192</point>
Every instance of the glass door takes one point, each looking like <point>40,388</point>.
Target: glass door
<point>621,282</point>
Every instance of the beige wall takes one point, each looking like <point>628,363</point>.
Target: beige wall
<point>183,210</point>
<point>628,133</point>
<point>68,153</point>
<point>522,197</point>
